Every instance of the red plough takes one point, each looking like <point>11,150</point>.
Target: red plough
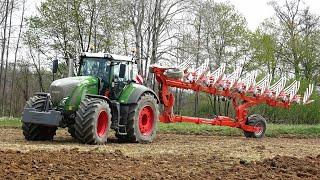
<point>243,92</point>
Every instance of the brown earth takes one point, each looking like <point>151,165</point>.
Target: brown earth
<point>170,156</point>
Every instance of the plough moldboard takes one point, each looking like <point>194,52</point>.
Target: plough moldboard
<point>244,92</point>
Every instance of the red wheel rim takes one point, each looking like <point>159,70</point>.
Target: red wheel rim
<point>102,123</point>
<point>146,120</point>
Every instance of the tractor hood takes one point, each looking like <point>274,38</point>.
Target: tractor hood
<point>62,88</point>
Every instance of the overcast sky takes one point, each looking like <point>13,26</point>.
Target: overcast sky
<point>255,11</point>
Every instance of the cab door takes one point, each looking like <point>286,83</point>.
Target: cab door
<point>121,77</point>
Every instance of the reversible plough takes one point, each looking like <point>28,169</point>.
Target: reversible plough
<point>243,92</point>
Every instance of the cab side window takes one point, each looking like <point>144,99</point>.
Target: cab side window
<point>116,72</point>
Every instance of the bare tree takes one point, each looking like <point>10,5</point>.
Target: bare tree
<point>4,98</point>
<point>13,78</point>
<point>4,40</point>
<point>198,27</point>
<point>137,16</point>
<point>162,18</point>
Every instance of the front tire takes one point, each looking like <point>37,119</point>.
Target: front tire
<point>93,120</point>
<point>142,121</point>
<point>37,132</point>
<point>256,120</point>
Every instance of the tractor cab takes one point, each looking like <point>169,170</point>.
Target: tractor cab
<point>113,71</point>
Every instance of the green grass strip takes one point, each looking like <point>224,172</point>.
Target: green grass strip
<point>10,122</point>
<point>273,130</point>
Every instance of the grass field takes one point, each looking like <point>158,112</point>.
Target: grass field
<point>10,122</point>
<point>273,130</point>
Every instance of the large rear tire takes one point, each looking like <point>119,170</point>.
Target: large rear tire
<point>37,132</point>
<point>93,120</point>
<point>256,120</point>
<point>142,121</point>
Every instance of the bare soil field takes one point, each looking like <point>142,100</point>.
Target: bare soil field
<point>170,156</point>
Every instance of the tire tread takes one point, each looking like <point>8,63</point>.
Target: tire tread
<point>85,117</point>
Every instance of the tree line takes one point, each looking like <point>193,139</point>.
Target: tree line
<point>160,31</point>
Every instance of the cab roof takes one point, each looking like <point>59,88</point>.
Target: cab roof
<point>108,55</point>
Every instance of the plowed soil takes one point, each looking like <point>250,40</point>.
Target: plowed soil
<point>170,156</point>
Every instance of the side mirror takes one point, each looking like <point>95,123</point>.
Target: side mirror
<point>122,71</point>
<point>55,66</point>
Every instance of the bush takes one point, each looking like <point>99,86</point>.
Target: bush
<point>296,114</point>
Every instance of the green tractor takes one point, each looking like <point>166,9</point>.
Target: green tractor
<point>104,95</point>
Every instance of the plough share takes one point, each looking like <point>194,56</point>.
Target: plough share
<point>243,92</point>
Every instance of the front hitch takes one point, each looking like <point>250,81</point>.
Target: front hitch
<point>45,116</point>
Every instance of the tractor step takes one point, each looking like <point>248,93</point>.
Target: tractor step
<point>120,128</point>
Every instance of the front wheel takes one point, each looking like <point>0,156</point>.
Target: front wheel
<point>142,121</point>
<point>37,132</point>
<point>93,120</point>
<point>258,122</point>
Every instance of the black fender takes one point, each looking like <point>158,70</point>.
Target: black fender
<point>100,97</point>
<point>115,109</point>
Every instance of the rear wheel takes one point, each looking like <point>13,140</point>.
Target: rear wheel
<point>142,121</point>
<point>93,120</point>
<point>37,132</point>
<point>258,122</point>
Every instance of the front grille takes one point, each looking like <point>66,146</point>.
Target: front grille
<point>57,94</point>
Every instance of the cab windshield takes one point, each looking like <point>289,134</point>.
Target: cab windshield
<point>99,67</point>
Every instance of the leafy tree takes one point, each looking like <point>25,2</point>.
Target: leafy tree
<point>69,27</point>
<point>298,31</point>
<point>264,51</point>
<point>225,32</point>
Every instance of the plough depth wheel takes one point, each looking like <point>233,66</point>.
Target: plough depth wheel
<point>259,122</point>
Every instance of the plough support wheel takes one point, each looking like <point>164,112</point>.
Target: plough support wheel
<point>258,122</point>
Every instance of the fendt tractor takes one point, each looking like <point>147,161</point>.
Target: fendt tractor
<point>103,95</point>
